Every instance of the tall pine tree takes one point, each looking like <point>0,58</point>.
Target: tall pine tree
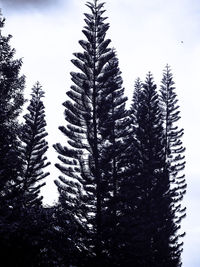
<point>175,162</point>
<point>153,192</point>
<point>93,111</point>
<point>33,149</point>
<point>11,101</point>
<point>114,124</point>
<point>130,188</point>
<point>146,179</point>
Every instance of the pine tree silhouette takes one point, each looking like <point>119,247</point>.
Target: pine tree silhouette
<point>95,103</point>
<point>11,101</point>
<point>114,124</point>
<point>33,149</point>
<point>146,178</point>
<point>175,164</point>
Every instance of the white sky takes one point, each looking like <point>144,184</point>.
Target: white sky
<point>147,34</point>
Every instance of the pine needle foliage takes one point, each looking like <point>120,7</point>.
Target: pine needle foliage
<point>94,105</point>
<point>114,125</point>
<point>33,149</point>
<point>153,186</point>
<point>175,160</point>
<point>144,204</point>
<point>11,101</point>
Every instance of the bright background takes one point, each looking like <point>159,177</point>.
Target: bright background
<point>147,35</point>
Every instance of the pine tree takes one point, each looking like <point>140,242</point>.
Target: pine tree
<point>11,101</point>
<point>146,182</point>
<point>33,149</point>
<point>150,137</point>
<point>175,163</point>
<point>130,187</point>
<point>92,102</point>
<point>30,240</point>
<point>114,124</point>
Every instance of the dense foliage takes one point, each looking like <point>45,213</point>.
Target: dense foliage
<point>33,149</point>
<point>11,101</point>
<point>121,177</point>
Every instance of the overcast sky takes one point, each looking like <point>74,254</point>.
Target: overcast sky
<point>147,35</point>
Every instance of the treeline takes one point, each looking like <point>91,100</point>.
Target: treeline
<point>121,177</point>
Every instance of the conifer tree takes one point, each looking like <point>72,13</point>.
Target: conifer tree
<point>33,149</point>
<point>89,107</point>
<point>175,162</point>
<point>146,200</point>
<point>30,242</point>
<point>130,187</point>
<point>11,101</point>
<point>114,123</point>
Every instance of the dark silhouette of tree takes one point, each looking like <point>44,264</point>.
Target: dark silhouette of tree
<point>151,191</point>
<point>145,179</point>
<point>130,186</point>
<point>175,163</point>
<point>121,182</point>
<point>113,126</point>
<point>28,229</point>
<point>95,106</point>
<point>33,149</point>
<point>11,101</point>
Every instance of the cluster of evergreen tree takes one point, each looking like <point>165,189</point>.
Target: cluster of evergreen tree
<point>24,223</point>
<point>121,182</point>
